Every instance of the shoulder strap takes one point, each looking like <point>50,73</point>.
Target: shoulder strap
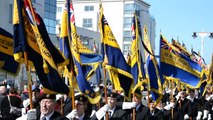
<point>9,100</point>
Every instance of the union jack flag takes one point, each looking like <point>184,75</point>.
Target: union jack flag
<point>133,30</point>
<point>166,46</point>
<point>94,47</point>
<point>72,17</point>
<point>29,13</point>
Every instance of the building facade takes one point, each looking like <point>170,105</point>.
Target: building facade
<point>120,19</point>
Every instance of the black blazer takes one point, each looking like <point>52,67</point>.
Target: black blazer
<point>158,115</point>
<point>55,116</point>
<point>118,114</point>
<point>142,112</point>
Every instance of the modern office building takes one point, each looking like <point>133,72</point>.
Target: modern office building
<point>118,13</point>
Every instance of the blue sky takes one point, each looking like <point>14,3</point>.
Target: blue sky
<point>180,18</point>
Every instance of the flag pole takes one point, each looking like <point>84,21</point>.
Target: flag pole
<point>72,90</point>
<point>104,64</point>
<point>172,98</point>
<point>71,65</point>
<point>62,110</point>
<point>29,80</point>
<point>105,90</point>
<point>28,71</point>
<point>133,110</point>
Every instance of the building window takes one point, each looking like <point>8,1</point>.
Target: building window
<point>50,15</point>
<point>10,13</point>
<point>126,48</point>
<point>127,25</point>
<point>127,22</point>
<point>127,33</point>
<point>128,8</point>
<point>127,39</point>
<point>59,9</point>
<point>87,23</point>
<point>58,21</point>
<point>88,8</point>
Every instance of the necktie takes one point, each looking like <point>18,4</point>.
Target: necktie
<point>44,118</point>
<point>110,114</point>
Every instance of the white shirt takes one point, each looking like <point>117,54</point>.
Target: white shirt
<point>111,112</point>
<point>81,117</point>
<point>137,107</point>
<point>47,117</point>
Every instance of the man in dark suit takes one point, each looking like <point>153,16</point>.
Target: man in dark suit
<point>114,112</point>
<point>47,105</point>
<point>80,112</point>
<point>155,113</point>
<point>195,105</point>
<point>141,110</point>
<point>184,105</point>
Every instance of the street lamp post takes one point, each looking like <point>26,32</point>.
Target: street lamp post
<point>202,35</point>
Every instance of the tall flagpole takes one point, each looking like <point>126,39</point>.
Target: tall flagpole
<point>104,63</point>
<point>172,98</point>
<point>29,80</point>
<point>28,71</point>
<point>72,70</point>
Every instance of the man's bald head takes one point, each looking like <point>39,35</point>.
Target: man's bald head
<point>3,89</point>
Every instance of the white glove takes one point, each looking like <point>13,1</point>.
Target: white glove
<point>199,114</point>
<point>23,111</point>
<point>93,112</point>
<point>128,105</point>
<point>209,116</point>
<point>177,96</point>
<point>23,117</point>
<point>172,104</point>
<point>211,96</point>
<point>72,115</point>
<point>169,106</point>
<point>205,114</point>
<point>26,102</point>
<point>58,96</point>
<point>102,111</point>
<point>31,114</point>
<point>186,117</point>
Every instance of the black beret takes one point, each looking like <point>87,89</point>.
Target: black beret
<point>191,90</point>
<point>81,98</point>
<point>48,96</point>
<point>112,95</point>
<point>138,93</point>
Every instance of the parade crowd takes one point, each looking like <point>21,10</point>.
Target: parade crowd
<point>175,105</point>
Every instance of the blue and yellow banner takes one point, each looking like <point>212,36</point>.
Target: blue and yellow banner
<point>31,37</point>
<point>115,63</point>
<point>83,84</point>
<point>156,79</point>
<point>137,68</point>
<point>175,64</point>
<point>7,62</point>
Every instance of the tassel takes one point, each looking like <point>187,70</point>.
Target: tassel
<point>66,72</point>
<point>46,70</point>
<point>105,60</point>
